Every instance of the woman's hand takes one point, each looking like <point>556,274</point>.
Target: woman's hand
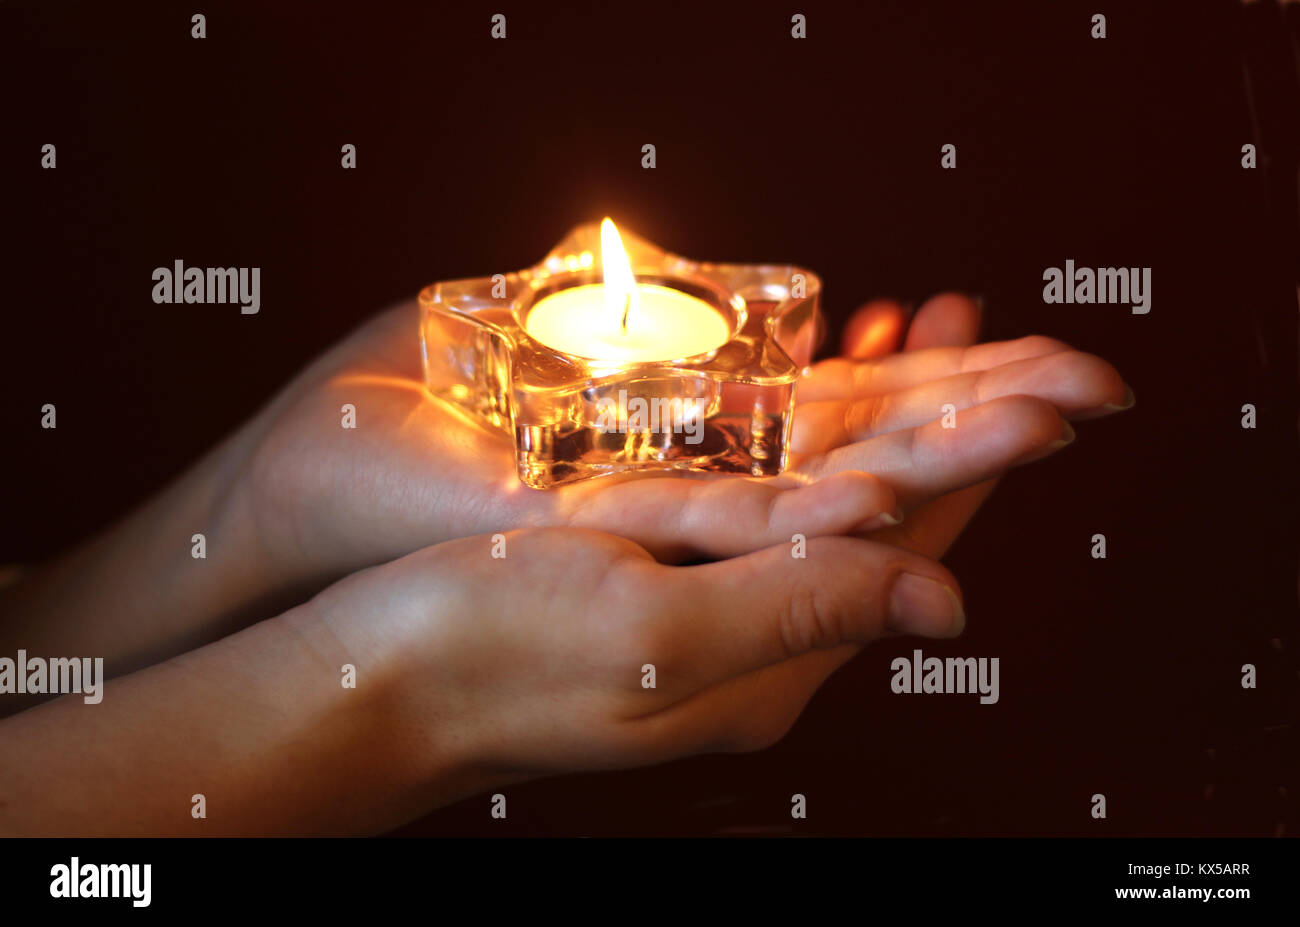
<point>576,650</point>
<point>540,661</point>
<point>414,471</point>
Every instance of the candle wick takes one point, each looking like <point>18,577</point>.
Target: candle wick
<point>627,307</point>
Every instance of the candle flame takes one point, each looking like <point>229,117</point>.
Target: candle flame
<point>621,294</point>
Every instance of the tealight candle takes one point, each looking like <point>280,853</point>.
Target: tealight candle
<point>668,325</point>
<point>590,371</point>
<point>622,321</point>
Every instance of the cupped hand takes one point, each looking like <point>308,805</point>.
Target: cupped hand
<point>415,471</point>
<point>457,669</point>
<point>568,649</point>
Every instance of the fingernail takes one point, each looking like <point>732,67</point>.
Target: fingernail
<point>919,605</point>
<point>1067,437</point>
<point>1128,402</point>
<point>883,520</point>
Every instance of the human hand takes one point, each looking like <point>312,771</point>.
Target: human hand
<point>535,663</point>
<point>471,671</point>
<point>415,471</point>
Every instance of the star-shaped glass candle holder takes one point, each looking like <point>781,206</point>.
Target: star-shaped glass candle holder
<point>606,358</point>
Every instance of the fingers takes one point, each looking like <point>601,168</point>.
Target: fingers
<point>1077,384</point>
<point>739,615</point>
<point>924,462</point>
<point>946,320</point>
<point>677,519</point>
<point>873,330</point>
<point>839,378</point>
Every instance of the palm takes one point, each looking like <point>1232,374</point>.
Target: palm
<point>414,472</point>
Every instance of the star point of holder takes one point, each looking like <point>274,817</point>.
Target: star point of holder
<point>573,418</point>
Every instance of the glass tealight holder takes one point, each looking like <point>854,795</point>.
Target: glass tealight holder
<point>574,418</point>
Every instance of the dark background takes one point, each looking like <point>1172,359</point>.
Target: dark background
<point>1119,676</point>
